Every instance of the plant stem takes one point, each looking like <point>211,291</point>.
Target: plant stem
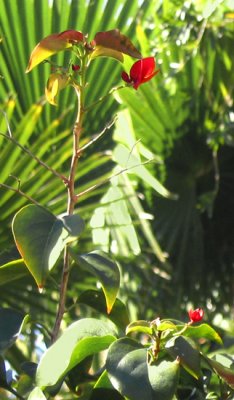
<point>71,196</point>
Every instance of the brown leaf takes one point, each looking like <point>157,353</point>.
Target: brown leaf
<point>115,40</point>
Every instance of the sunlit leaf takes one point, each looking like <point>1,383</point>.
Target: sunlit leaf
<point>101,51</point>
<point>53,44</point>
<point>12,270</point>
<point>37,394</point>
<point>80,340</point>
<point>116,41</point>
<point>140,326</point>
<point>96,300</point>
<point>55,83</point>
<point>204,331</point>
<point>106,271</point>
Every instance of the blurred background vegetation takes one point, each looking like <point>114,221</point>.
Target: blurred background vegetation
<point>169,223</point>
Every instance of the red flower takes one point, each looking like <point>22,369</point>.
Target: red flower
<point>196,315</point>
<point>142,71</point>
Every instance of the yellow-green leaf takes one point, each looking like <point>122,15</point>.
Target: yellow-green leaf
<point>52,44</point>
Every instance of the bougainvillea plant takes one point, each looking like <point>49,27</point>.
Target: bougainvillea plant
<point>160,359</point>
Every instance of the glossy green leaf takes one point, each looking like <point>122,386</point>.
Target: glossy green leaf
<point>189,356</point>
<point>37,394</point>
<point>80,340</point>
<point>126,365</point>
<point>12,270</point>
<point>40,238</point>
<point>166,325</point>
<point>140,326</point>
<point>163,378</point>
<point>103,381</point>
<point>204,331</point>
<point>11,323</point>
<point>106,271</point>
<point>96,300</point>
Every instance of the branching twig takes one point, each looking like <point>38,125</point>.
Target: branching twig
<point>115,89</point>
<point>4,186</point>
<point>104,181</point>
<point>27,151</point>
<point>99,135</point>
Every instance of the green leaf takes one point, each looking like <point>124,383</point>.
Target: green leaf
<point>165,325</point>
<point>12,270</point>
<point>106,271</point>
<point>103,389</point>
<point>164,379</point>
<point>227,374</point>
<point>123,156</point>
<point>140,326</point>
<point>204,331</point>
<point>37,394</point>
<point>96,300</point>
<point>11,323</point>
<point>189,356</point>
<point>40,238</point>
<point>126,365</point>
<point>80,340</point>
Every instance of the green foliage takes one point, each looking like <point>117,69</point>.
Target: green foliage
<point>105,270</point>
<point>11,322</point>
<point>41,237</point>
<point>80,340</point>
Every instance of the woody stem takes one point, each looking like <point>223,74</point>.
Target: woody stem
<point>71,196</point>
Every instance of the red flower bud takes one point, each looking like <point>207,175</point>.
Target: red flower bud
<point>196,315</point>
<point>142,71</point>
<point>75,67</point>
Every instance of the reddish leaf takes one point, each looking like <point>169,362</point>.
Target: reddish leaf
<point>227,374</point>
<point>52,44</point>
<point>116,41</point>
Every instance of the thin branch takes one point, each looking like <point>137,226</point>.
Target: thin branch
<point>13,391</point>
<point>115,89</point>
<point>7,122</point>
<point>216,172</point>
<point>78,126</point>
<point>99,135</point>
<point>104,181</point>
<point>27,151</point>
<point>4,186</point>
